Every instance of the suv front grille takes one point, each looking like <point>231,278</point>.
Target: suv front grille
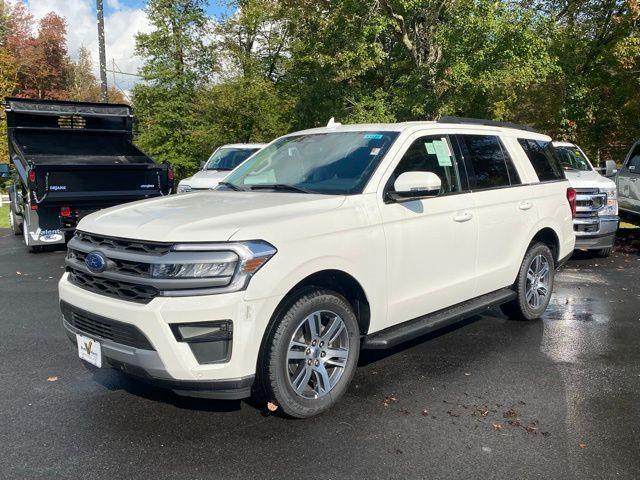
<point>123,244</point>
<point>112,288</point>
<point>105,328</point>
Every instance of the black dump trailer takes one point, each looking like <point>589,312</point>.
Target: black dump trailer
<point>71,159</point>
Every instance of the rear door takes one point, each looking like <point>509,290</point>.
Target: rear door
<point>504,207</point>
<point>629,182</point>
<point>431,242</point>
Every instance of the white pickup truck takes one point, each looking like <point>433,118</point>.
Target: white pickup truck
<point>597,218</point>
<point>324,242</point>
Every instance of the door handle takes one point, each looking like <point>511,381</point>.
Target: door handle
<point>525,205</point>
<point>462,217</point>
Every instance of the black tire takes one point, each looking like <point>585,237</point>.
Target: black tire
<point>274,373</point>
<point>603,252</point>
<point>15,222</point>
<point>520,308</point>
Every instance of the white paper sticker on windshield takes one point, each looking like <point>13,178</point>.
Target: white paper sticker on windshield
<point>375,151</point>
<point>444,160</point>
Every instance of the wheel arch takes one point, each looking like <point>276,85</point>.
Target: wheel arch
<point>550,238</point>
<point>331,279</point>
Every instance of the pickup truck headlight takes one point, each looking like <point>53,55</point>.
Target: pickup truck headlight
<point>226,266</point>
<point>611,207</point>
<point>183,188</point>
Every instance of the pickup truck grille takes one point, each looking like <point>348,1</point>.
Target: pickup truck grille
<point>589,200</point>
<point>112,288</point>
<point>105,328</point>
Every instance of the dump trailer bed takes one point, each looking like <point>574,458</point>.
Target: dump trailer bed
<point>71,159</point>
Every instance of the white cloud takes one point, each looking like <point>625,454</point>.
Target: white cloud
<point>121,25</point>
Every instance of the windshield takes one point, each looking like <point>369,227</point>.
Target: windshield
<point>228,158</point>
<point>571,158</point>
<point>338,163</point>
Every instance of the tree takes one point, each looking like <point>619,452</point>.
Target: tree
<point>178,59</point>
<point>82,84</point>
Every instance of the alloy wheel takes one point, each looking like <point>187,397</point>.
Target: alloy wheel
<point>317,354</point>
<point>538,281</point>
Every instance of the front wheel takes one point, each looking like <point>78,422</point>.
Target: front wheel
<point>311,354</point>
<point>534,284</point>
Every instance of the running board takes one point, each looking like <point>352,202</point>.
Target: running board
<point>392,336</point>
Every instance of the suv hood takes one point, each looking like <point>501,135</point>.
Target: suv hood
<point>588,179</point>
<point>206,216</point>
<point>206,178</point>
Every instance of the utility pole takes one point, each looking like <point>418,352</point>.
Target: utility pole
<point>103,56</point>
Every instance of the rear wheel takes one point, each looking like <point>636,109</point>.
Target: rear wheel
<point>603,252</point>
<point>311,354</point>
<point>15,222</point>
<point>534,284</point>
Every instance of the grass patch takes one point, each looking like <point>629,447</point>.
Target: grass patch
<point>4,216</point>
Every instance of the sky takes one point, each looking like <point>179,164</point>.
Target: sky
<point>123,19</point>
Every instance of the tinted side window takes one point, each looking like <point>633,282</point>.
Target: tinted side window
<point>431,154</point>
<point>543,159</point>
<point>488,165</point>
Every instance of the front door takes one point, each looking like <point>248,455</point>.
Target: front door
<point>629,182</point>
<point>431,242</point>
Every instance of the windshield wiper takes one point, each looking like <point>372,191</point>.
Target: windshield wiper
<point>231,186</point>
<point>280,186</point>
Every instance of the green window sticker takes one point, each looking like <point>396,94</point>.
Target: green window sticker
<point>430,148</point>
<point>444,160</point>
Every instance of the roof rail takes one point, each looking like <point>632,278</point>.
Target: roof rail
<point>489,123</point>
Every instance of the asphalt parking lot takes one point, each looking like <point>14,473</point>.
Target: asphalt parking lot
<point>554,398</point>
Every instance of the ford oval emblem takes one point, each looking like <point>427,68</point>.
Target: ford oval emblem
<point>96,262</point>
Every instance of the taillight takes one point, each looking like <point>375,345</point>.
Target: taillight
<point>571,198</point>
<point>34,206</point>
<point>170,174</point>
<point>32,176</point>
<point>65,211</point>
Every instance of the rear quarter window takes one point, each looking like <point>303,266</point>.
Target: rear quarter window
<point>542,156</point>
<point>488,163</point>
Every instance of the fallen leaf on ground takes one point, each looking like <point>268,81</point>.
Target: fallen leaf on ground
<point>511,413</point>
<point>272,407</point>
<point>389,400</point>
<point>582,445</point>
<point>52,379</point>
<point>497,426</point>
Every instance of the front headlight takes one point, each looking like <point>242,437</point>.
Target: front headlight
<point>183,188</point>
<point>611,207</point>
<point>218,267</point>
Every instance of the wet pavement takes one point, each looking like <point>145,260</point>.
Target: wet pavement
<point>492,398</point>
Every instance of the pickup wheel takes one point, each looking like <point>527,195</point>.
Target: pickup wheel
<point>603,252</point>
<point>14,222</point>
<point>534,284</point>
<point>311,353</point>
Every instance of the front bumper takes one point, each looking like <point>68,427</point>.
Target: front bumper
<point>170,363</point>
<point>602,234</point>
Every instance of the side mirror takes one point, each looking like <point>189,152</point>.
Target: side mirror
<point>610,168</point>
<point>202,164</point>
<point>415,185</point>
<point>4,170</point>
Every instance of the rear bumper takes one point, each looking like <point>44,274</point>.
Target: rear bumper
<point>602,237</point>
<point>147,366</point>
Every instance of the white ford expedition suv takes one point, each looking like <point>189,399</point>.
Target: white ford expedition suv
<point>325,242</point>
